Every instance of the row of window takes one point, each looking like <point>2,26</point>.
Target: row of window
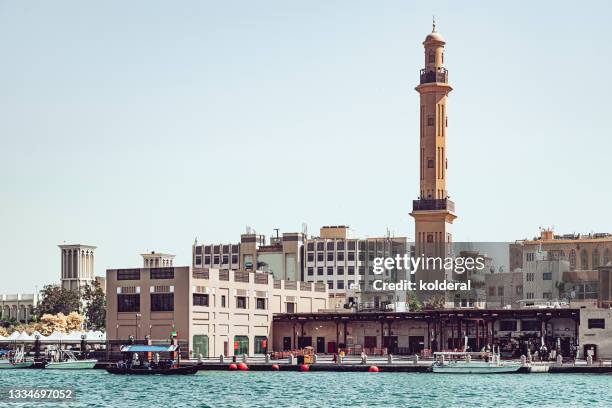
<point>154,273</point>
<point>160,302</point>
<point>217,249</point>
<point>518,290</point>
<point>202,299</point>
<point>216,260</point>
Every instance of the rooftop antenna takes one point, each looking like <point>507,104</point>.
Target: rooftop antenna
<point>276,229</point>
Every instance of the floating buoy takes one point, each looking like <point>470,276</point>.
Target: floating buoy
<point>373,369</point>
<point>304,367</point>
<point>233,366</point>
<point>275,367</point>
<point>243,367</point>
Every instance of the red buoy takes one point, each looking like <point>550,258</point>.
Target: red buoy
<point>233,366</point>
<point>304,367</point>
<point>243,367</point>
<point>275,367</point>
<point>373,369</point>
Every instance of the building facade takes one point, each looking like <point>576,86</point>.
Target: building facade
<point>18,306</point>
<point>217,311</point>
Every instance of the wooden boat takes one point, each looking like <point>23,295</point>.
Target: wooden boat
<point>147,365</point>
<point>69,361</point>
<point>153,371</point>
<point>15,359</point>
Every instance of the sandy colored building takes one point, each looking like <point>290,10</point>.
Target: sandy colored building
<point>218,311</point>
<point>77,265</point>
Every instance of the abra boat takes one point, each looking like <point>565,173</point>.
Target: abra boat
<point>68,361</point>
<point>461,363</point>
<point>149,361</point>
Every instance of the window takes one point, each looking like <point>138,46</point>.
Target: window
<point>310,271</point>
<point>351,256</point>
<point>207,250</point>
<point>340,285</point>
<point>198,250</point>
<point>330,284</point>
<point>261,344</point>
<point>597,324</point>
<point>341,270</point>
<point>340,245</point>
<point>530,325</point>
<point>241,345</point>
<point>198,260</point>
<point>595,259</point>
<point>310,257</point>
<point>547,276</point>
<point>340,256</point>
<point>241,302</point>
<point>362,256</point>
<point>200,299</point>
<point>351,270</point>
<point>519,290</point>
<point>362,270</point>
<point>547,295</point>
<point>128,302</point>
<point>235,248</point>
<point>491,290</point>
<point>572,259</point>
<point>330,270</point>
<point>351,284</point>
<point>216,249</point>
<point>320,270</point>
<point>584,260</point>
<point>530,257</point>
<point>216,259</point>
<point>226,249</point>
<point>162,273</point>
<point>529,295</point>
<point>330,246</point>
<point>330,257</point>
<point>207,260</point>
<point>234,259</point>
<point>225,259</point>
<point>430,120</point>
<point>310,246</point>
<point>290,307</point>
<point>128,274</point>
<point>351,245</point>
<point>260,303</point>
<point>162,302</point>
<point>500,291</point>
<point>222,300</point>
<point>320,246</point>
<point>507,325</point>
<point>432,58</point>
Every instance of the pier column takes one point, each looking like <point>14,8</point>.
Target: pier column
<point>344,334</point>
<point>382,336</point>
<point>428,336</point>
<point>337,337</point>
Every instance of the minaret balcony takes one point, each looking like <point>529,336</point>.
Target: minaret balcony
<point>433,204</point>
<point>440,75</point>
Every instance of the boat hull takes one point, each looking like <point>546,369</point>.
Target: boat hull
<point>475,369</point>
<point>25,364</point>
<point>72,365</point>
<point>153,371</point>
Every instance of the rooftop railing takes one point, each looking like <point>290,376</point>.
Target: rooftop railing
<point>441,75</point>
<point>433,204</point>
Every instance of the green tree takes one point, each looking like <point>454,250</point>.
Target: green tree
<point>95,305</point>
<point>414,305</point>
<point>56,299</point>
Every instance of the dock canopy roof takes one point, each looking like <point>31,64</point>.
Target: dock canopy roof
<point>143,348</point>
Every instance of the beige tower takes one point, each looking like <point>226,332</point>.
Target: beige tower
<point>77,265</point>
<point>433,212</point>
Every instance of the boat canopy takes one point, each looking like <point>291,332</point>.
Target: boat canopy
<point>143,348</point>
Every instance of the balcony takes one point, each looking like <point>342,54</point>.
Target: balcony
<point>430,205</point>
<point>441,75</point>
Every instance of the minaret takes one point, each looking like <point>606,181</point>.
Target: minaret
<point>433,212</point>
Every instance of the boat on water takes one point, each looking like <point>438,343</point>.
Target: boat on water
<point>14,359</point>
<point>67,360</point>
<point>461,362</point>
<point>140,359</point>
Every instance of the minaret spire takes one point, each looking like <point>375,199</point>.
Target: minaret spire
<point>433,24</point>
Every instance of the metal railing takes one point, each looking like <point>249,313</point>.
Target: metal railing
<point>433,204</point>
<point>441,75</point>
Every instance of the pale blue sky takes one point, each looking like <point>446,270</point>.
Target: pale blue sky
<point>140,125</point>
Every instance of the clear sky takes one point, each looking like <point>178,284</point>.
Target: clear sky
<point>139,125</point>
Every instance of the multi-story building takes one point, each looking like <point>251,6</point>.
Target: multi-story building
<point>345,264</point>
<point>583,252</point>
<point>504,289</point>
<point>282,257</point>
<point>335,257</point>
<point>218,311</point>
<point>77,264</point>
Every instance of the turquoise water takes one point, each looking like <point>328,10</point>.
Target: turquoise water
<point>96,388</point>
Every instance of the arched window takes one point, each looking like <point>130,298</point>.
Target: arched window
<point>584,260</point>
<point>572,259</point>
<point>432,57</point>
<point>595,259</point>
<point>606,257</point>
